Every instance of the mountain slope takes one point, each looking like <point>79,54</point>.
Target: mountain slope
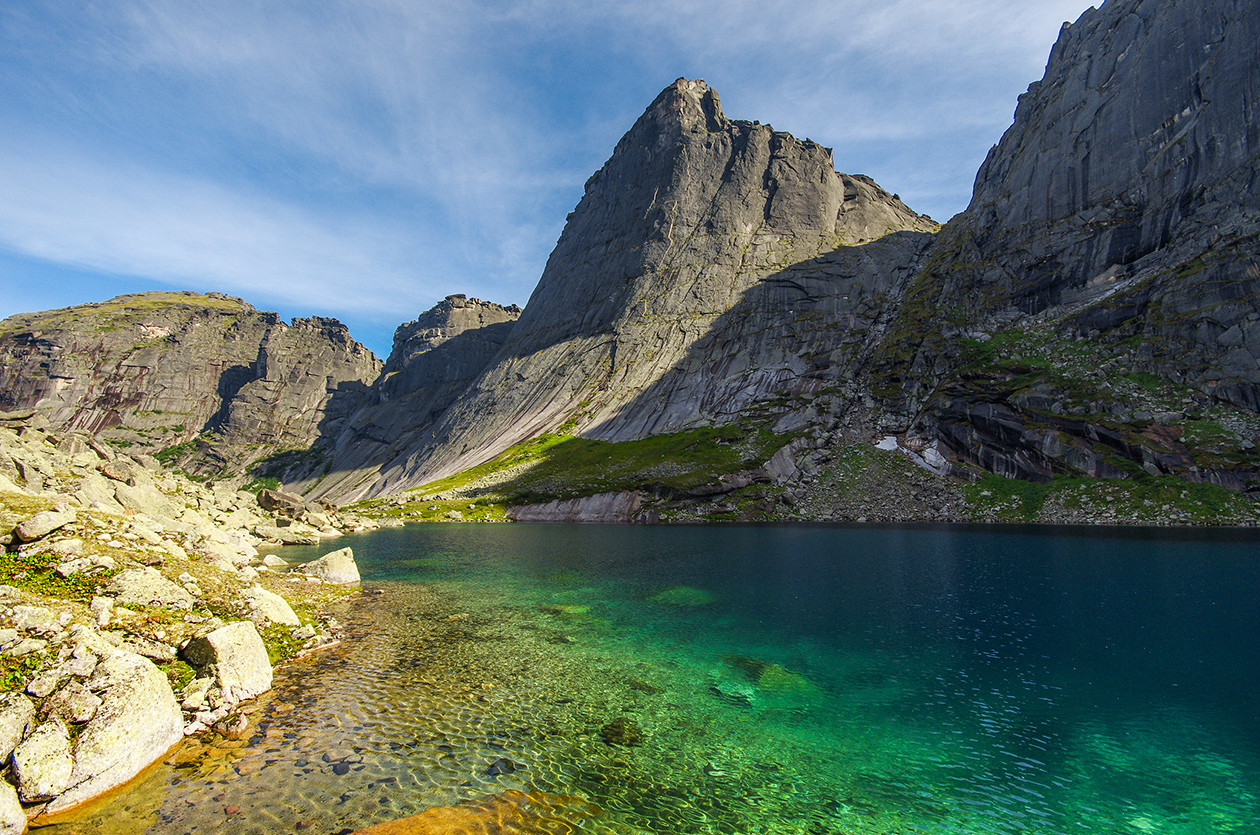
<point>670,244</point>
<point>154,371</point>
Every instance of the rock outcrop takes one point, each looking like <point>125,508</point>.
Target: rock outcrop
<point>152,371</point>
<point>707,265</point>
<point>1122,208</point>
<point>434,359</point>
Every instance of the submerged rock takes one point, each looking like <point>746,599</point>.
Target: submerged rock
<point>509,811</point>
<point>622,731</point>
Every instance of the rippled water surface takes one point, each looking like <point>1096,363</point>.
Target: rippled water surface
<point>830,681</point>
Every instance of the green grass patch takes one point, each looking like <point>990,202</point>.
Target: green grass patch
<point>174,454</point>
<point>36,573</point>
<point>278,639</point>
<point>556,466</point>
<point>16,672</point>
<point>1008,498</point>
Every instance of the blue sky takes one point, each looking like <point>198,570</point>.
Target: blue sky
<point>364,158</point>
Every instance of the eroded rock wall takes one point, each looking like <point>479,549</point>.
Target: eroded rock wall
<point>152,370</point>
<point>697,227</point>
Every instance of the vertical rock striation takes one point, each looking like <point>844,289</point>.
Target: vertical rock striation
<point>1127,187</point>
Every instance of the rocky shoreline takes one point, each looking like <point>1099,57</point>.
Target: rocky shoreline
<point>137,607</point>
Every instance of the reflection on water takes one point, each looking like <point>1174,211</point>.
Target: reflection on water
<point>756,680</point>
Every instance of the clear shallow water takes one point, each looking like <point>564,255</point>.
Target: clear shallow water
<point>785,679</point>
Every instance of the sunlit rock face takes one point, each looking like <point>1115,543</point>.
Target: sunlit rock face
<point>709,265</point>
<point>153,370</point>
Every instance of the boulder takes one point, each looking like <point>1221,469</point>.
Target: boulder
<point>42,763</point>
<point>146,499</point>
<point>147,587</point>
<point>269,606</point>
<point>44,523</point>
<point>74,703</point>
<point>12,816</point>
<point>337,567</point>
<point>239,658</point>
<point>278,501</point>
<point>137,721</point>
<point>16,712</point>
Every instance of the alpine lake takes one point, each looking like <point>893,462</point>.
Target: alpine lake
<point>811,680</point>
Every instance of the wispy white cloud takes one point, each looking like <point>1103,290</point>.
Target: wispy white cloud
<point>179,230</point>
<point>298,148</point>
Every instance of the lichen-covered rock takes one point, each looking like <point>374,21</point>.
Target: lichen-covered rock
<point>42,763</point>
<point>239,657</point>
<point>16,713</point>
<point>74,703</point>
<point>12,816</point>
<point>268,606</point>
<point>336,567</point>
<point>44,523</point>
<point>147,587</point>
<point>137,721</point>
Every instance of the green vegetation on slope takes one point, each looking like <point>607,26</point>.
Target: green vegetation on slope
<point>556,466</point>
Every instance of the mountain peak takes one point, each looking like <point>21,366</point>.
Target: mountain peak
<point>688,103</point>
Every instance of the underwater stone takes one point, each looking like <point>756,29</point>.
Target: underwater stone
<point>622,731</point>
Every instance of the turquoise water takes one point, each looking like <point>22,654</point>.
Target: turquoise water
<point>820,680</point>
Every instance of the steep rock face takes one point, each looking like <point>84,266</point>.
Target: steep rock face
<point>151,370</point>
<point>1127,187</point>
<point>1121,208</point>
<point>672,242</point>
<point>434,359</point>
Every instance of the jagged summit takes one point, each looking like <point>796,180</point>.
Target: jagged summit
<point>690,213</point>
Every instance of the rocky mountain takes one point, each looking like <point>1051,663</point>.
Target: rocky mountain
<point>710,264</point>
<point>434,359</point>
<point>1118,215</point>
<point>727,320</point>
<point>209,379</point>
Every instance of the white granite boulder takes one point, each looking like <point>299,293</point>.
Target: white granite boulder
<point>136,722</point>
<point>42,763</point>
<point>44,523</point>
<point>336,567</point>
<point>16,713</point>
<point>239,658</point>
<point>147,587</point>
<point>269,606</point>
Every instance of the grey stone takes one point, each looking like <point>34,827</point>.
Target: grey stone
<point>240,660</point>
<point>179,352</point>
<point>137,721</point>
<point>45,682</point>
<point>147,587</point>
<point>12,816</point>
<point>74,703</point>
<point>337,567</point>
<point>44,523</point>
<point>42,763</point>
<point>16,713</point>
<point>26,646</point>
<point>268,606</point>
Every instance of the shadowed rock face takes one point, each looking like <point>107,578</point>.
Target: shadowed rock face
<point>155,369</point>
<point>672,240</point>
<point>1127,186</point>
<point>1124,202</point>
<point>433,361</point>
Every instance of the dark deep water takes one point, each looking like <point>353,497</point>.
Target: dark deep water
<point>787,679</point>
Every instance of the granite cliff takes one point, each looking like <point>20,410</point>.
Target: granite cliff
<point>727,322</point>
<point>209,380</point>
<point>1117,217</point>
<point>709,265</point>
